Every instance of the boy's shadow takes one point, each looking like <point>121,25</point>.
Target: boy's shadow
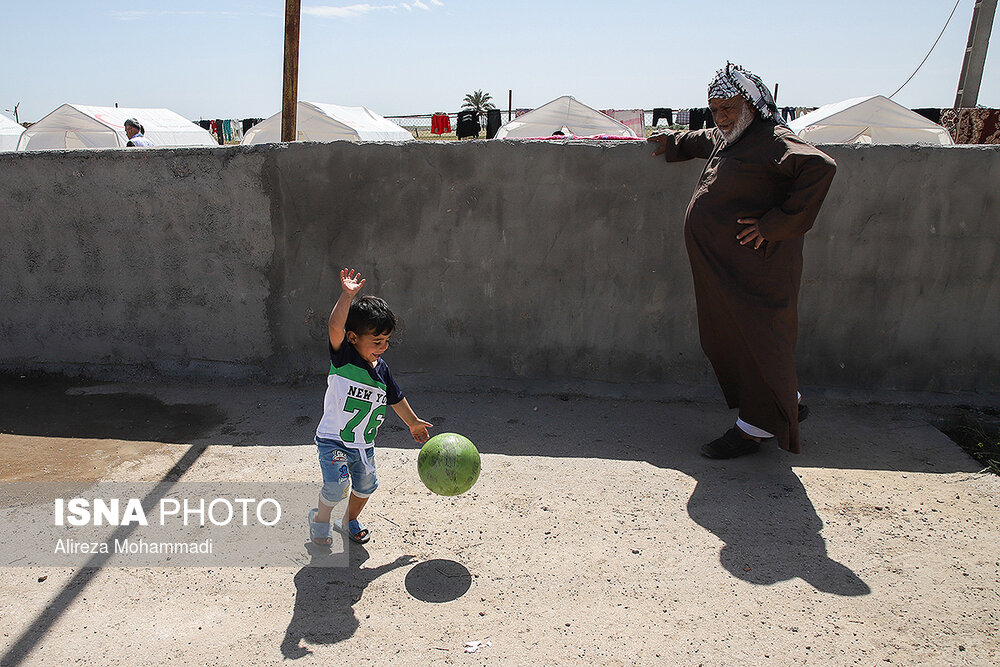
<point>759,508</point>
<point>325,597</point>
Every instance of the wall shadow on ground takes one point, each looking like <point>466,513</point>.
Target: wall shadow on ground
<point>45,406</point>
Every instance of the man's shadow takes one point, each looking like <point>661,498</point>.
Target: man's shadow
<point>325,597</point>
<point>759,508</point>
<point>756,505</point>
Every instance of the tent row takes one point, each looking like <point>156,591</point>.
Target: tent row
<point>73,126</point>
<point>871,120</point>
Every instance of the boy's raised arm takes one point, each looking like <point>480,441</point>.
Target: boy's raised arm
<point>350,284</point>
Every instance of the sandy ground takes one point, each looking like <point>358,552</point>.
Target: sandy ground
<point>596,535</point>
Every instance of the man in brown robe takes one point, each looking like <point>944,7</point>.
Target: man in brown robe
<point>758,194</point>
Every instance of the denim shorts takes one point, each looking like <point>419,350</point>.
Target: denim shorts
<point>344,470</point>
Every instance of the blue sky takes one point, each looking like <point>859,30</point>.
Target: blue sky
<point>223,59</point>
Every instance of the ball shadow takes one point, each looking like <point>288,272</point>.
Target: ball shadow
<point>438,580</point>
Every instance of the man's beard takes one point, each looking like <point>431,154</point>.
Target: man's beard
<point>740,126</point>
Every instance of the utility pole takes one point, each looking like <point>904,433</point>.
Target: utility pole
<point>975,53</point>
<point>290,87</point>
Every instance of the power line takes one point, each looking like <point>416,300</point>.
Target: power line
<point>932,48</point>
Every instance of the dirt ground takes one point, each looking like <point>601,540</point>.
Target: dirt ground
<point>596,535</point>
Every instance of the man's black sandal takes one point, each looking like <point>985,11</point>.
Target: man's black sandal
<point>732,444</point>
<point>729,446</point>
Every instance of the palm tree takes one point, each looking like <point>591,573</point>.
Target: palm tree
<point>479,102</point>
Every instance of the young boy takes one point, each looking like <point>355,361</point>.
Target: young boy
<point>358,389</point>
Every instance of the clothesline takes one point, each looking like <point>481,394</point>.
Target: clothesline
<point>522,110</point>
<point>699,117</point>
<point>229,130</point>
<point>637,120</point>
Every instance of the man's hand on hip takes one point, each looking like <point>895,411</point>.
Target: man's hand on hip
<point>751,233</point>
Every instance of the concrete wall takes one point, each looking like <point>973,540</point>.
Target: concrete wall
<point>530,260</point>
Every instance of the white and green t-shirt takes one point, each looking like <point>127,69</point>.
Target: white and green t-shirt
<point>356,398</point>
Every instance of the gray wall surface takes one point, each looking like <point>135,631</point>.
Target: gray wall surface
<point>532,260</point>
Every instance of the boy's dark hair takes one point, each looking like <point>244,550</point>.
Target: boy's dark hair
<point>370,314</point>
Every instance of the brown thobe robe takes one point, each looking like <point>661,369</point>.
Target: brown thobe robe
<point>748,299</point>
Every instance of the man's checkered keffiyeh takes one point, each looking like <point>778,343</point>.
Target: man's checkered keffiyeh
<point>733,80</point>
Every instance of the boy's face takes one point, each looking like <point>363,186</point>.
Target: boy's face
<point>369,345</point>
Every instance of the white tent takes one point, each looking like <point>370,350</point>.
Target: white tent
<point>316,121</point>
<point>80,126</point>
<point>10,132</point>
<point>870,120</point>
<point>564,114</point>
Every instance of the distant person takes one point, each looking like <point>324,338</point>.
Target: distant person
<point>134,131</point>
<point>359,387</point>
<point>759,193</point>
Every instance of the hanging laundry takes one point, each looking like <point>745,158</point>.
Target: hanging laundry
<point>440,123</point>
<point>665,113</point>
<point>467,124</point>
<point>697,121</point>
<point>493,122</point>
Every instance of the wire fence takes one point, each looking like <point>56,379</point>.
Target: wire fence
<point>419,125</point>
